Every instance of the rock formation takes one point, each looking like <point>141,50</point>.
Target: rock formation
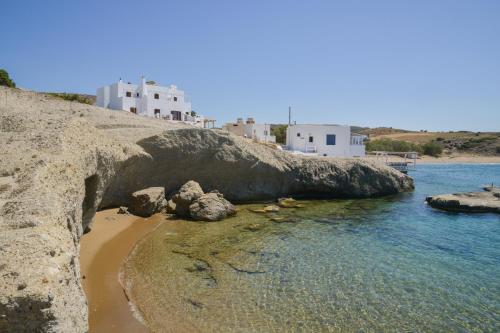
<point>148,201</point>
<point>191,202</point>
<point>183,199</point>
<point>473,202</point>
<point>61,161</point>
<point>211,207</point>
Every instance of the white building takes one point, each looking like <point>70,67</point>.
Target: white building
<point>324,140</point>
<point>148,99</point>
<point>251,130</point>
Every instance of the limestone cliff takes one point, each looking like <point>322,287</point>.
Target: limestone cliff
<point>60,161</point>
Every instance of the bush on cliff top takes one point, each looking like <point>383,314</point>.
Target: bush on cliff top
<point>5,80</point>
<point>72,97</point>
<point>392,145</point>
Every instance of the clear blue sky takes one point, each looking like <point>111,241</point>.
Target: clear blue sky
<point>410,64</point>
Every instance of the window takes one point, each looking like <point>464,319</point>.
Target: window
<point>311,139</point>
<point>128,94</point>
<point>133,110</point>
<point>157,111</point>
<point>265,132</point>
<point>330,139</point>
<point>157,96</point>
<point>136,94</point>
<point>298,135</point>
<point>175,99</point>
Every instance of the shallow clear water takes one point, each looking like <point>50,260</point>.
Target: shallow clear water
<point>386,264</point>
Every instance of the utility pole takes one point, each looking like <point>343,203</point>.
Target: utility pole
<point>289,115</point>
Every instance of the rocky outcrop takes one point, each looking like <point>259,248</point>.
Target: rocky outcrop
<point>61,161</point>
<point>148,201</point>
<point>183,199</point>
<point>191,202</point>
<point>472,202</point>
<point>246,171</point>
<point>211,207</point>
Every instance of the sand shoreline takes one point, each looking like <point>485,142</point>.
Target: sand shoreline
<point>102,253</point>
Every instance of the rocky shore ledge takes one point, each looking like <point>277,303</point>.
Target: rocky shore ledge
<point>61,161</point>
<point>473,202</point>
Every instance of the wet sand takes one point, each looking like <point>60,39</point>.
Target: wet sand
<point>102,252</point>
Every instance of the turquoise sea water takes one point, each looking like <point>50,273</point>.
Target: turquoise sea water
<point>377,265</point>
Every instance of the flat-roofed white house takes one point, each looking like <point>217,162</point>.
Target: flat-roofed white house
<point>324,140</point>
<point>251,130</point>
<point>149,99</point>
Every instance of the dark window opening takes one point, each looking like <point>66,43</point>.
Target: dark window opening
<point>137,94</point>
<point>133,110</point>
<point>157,96</point>
<point>298,134</point>
<point>311,139</point>
<point>128,94</point>
<point>175,99</point>
<point>330,139</point>
<point>176,115</point>
<point>157,111</point>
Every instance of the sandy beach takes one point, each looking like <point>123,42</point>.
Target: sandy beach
<point>102,252</point>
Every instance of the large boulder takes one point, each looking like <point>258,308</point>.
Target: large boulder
<point>188,193</point>
<point>148,201</point>
<point>211,207</point>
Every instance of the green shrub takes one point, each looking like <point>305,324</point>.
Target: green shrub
<point>432,149</point>
<point>498,150</point>
<point>72,97</point>
<point>5,80</point>
<point>280,132</point>
<point>392,145</point>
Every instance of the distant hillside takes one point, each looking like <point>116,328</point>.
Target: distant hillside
<point>376,131</point>
<point>482,143</point>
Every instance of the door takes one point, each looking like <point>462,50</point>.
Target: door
<point>176,115</point>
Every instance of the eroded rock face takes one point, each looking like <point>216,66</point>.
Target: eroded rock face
<point>188,193</point>
<point>66,160</point>
<point>148,201</point>
<point>211,207</point>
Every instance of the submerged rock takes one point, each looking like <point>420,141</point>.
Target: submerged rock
<point>473,202</point>
<point>271,209</point>
<point>289,203</point>
<point>211,207</point>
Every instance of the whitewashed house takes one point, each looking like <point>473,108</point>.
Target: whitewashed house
<point>149,99</point>
<point>251,130</point>
<point>324,140</point>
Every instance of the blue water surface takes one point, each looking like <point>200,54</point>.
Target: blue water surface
<point>390,264</point>
<point>395,264</point>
